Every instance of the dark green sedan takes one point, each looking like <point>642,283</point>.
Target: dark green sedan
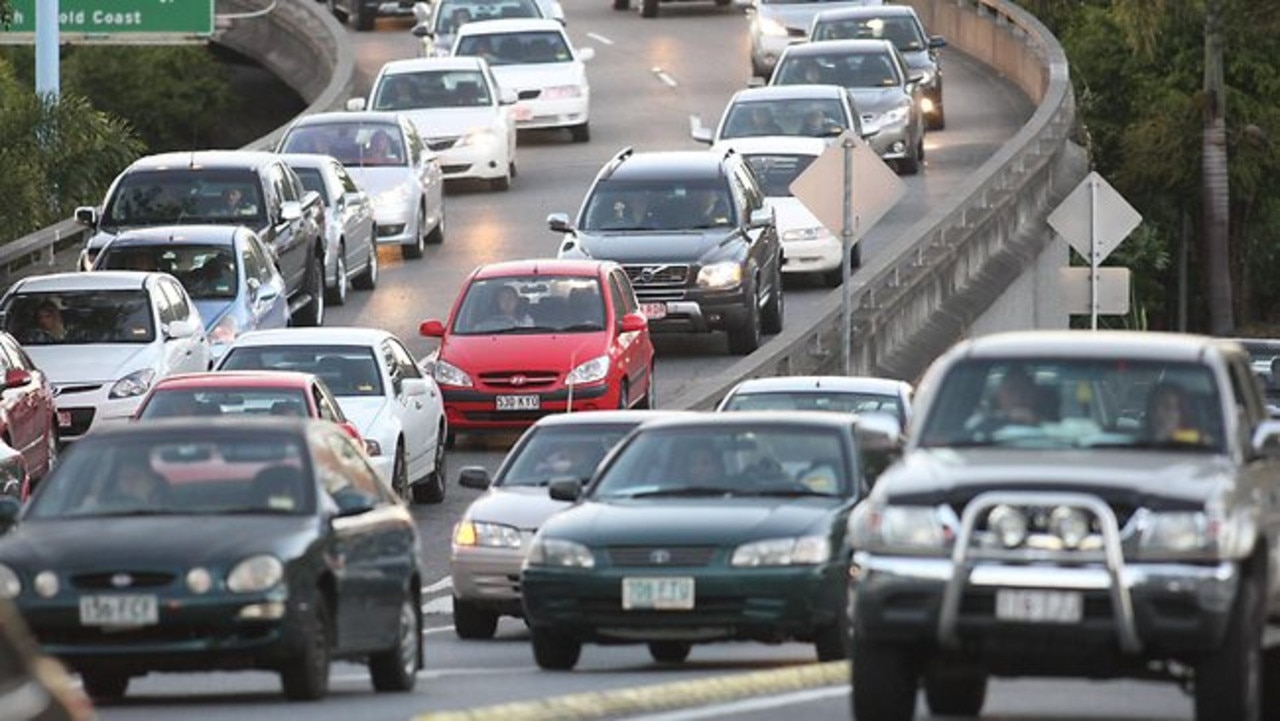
<point>703,528</point>
<point>200,544</point>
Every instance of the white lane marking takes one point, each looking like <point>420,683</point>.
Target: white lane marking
<point>600,38</point>
<point>439,673</point>
<point>442,584</point>
<point>664,77</point>
<point>436,606</point>
<point>437,629</point>
<point>733,708</point>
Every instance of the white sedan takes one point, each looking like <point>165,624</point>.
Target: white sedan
<point>534,58</point>
<point>460,112</point>
<point>841,394</point>
<point>397,409</point>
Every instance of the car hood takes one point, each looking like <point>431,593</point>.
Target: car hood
<point>451,122</point>
<point>365,412</point>
<point>701,521</point>
<point>148,541</point>
<point>878,100</point>
<point>378,180</point>
<point>525,507</point>
<point>560,352</point>
<point>656,247</point>
<point>92,362</point>
<point>918,59</point>
<point>790,213</point>
<point>1154,479</point>
<point>542,75</point>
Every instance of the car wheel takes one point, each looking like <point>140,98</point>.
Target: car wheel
<point>581,133</point>
<point>1228,681</point>
<point>413,252</point>
<point>305,677</point>
<point>313,314</point>
<point>433,490</point>
<point>650,400</point>
<point>436,236</point>
<point>104,685</point>
<point>400,475</point>
<point>884,681</point>
<point>473,622</point>
<point>955,693</point>
<point>624,395</point>
<point>771,320</point>
<point>338,294</point>
<point>555,651</point>
<point>364,16</point>
<point>833,278</point>
<point>368,278</point>
<point>512,167</point>
<point>621,4</point>
<point>50,451</point>
<point>396,669</point>
<point>648,8</point>
<point>910,165</point>
<point>744,338</point>
<point>669,651</point>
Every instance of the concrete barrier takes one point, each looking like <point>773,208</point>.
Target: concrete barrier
<point>299,41</point>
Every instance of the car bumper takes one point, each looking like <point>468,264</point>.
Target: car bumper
<point>812,256</point>
<point>538,114</point>
<point>1178,609</point>
<point>79,413</point>
<point>488,577</point>
<point>892,142</point>
<point>474,161</point>
<point>470,409</point>
<point>396,224</point>
<point>770,604</point>
<point>710,311</point>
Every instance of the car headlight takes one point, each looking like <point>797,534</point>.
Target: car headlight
<point>490,535</point>
<point>479,136</point>
<point>255,574</point>
<point>817,232</point>
<point>449,374</point>
<point>895,116</point>
<point>918,530</point>
<point>802,551</point>
<point>134,384</point>
<point>593,370</point>
<point>560,92</point>
<point>559,552</point>
<point>1192,533</point>
<point>225,331</point>
<point>10,582</point>
<point>720,275</point>
<point>769,26</point>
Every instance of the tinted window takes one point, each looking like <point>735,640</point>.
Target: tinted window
<point>313,179</point>
<point>806,117</point>
<point>837,401</point>
<point>549,453</point>
<point>206,271</point>
<point>659,205</point>
<point>851,70</point>
<point>347,370</point>
<point>185,195</point>
<point>531,304</point>
<point>777,172</point>
<point>525,48</point>
<point>252,401</point>
<point>353,144</point>
<point>902,31</point>
<point>104,316</point>
<point>435,89</point>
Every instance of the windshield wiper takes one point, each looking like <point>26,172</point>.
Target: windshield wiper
<point>787,492</point>
<point>683,491</point>
<point>1154,445</point>
<point>250,511</point>
<point>581,326</point>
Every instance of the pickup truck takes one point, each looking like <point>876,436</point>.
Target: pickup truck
<point>251,188</point>
<point>1073,503</point>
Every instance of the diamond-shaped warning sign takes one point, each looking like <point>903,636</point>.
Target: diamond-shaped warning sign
<point>1094,208</point>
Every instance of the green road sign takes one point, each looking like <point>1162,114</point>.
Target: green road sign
<point>192,17</point>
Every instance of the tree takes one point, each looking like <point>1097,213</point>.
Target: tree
<point>1217,196</point>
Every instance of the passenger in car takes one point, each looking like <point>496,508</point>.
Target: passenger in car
<point>1171,415</point>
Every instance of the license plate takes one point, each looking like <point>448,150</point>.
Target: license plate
<point>1039,606</point>
<point>662,594</point>
<point>519,403</point>
<point>119,610</point>
<point>64,419</point>
<point>654,311</point>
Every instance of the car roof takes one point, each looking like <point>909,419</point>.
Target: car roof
<point>774,144</point>
<point>867,11</point>
<point>666,164</point>
<point>752,419</point>
<point>542,266</point>
<point>850,384</point>
<point>836,47</point>
<point>509,25</point>
<point>328,335</point>
<point>94,280</point>
<point>418,65</point>
<point>238,379</point>
<point>562,420</point>
<point>799,91</point>
<point>339,117</point>
<point>203,234</point>
<point>1137,345</point>
<point>204,159</point>
<point>199,428</point>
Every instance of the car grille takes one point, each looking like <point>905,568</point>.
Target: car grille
<point>83,388</point>
<point>454,169</point>
<point>797,32</point>
<point>81,419</point>
<point>504,416</point>
<point>528,94</point>
<point>528,380</point>
<point>657,276</point>
<point>438,144</point>
<point>661,556</point>
<point>143,579</point>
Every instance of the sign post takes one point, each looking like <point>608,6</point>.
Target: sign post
<point>1095,219</point>
<point>847,239</point>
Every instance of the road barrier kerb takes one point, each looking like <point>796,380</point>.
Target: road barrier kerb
<point>657,697</point>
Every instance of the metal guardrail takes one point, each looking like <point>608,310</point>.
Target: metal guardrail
<point>300,41</point>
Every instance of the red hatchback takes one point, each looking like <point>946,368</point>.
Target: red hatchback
<point>27,409</point>
<point>529,338</point>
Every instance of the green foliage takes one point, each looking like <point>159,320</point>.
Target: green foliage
<point>6,14</point>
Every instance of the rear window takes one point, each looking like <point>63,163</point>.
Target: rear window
<point>347,370</point>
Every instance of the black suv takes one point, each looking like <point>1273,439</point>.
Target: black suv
<point>693,232</point>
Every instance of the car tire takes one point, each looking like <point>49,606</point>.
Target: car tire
<point>884,681</point>
<point>436,236</point>
<point>502,182</point>
<point>669,651</point>
<point>744,338</point>
<point>433,490</point>
<point>833,278</point>
<point>624,395</point>
<point>367,279</point>
<point>415,251</point>
<point>364,17</point>
<point>910,165</point>
<point>312,314</point>
<point>396,669</point>
<point>400,475</point>
<point>648,8</point>
<point>955,693</point>
<point>621,4</point>
<point>771,319</point>
<point>338,293</point>
<point>650,400</point>
<point>581,133</point>
<point>104,685</point>
<point>555,651</point>
<point>305,677</point>
<point>1228,679</point>
<point>471,622</point>
<point>831,643</point>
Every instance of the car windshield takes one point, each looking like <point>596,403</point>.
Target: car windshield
<point>1076,404</point>
<point>728,460</point>
<point>776,172</point>
<point>432,89</point>
<point>523,48</point>
<point>824,400</point>
<point>531,304</point>
<point>152,474</point>
<point>805,117</point>
<point>354,144</point>
<point>552,453</point>
<point>73,317</point>
<point>313,179</point>
<point>453,14</point>
<point>649,206</point>
<point>902,31</point>
<point>145,198</point>
<point>208,272</point>
<point>347,370</point>
<point>850,70</point>
<point>223,401</point>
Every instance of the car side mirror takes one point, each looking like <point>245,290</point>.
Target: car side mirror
<point>559,223</point>
<point>355,104</point>
<point>507,96</point>
<point>1266,439</point>
<point>634,323</point>
<point>565,489</point>
<point>431,329</point>
<point>10,508</point>
<point>585,54</point>
<point>879,438</point>
<point>698,131</point>
<point>290,210</point>
<point>16,377</point>
<point>421,31</point>
<point>180,329</point>
<point>761,217</point>
<point>937,41</point>
<point>474,477</point>
<point>352,503</point>
<point>87,215</point>
<point>413,387</point>
<point>421,12</point>
<point>915,77</point>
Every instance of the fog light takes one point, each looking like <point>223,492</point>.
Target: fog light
<point>263,611</point>
<point>1069,524</point>
<point>899,147</point>
<point>1009,525</point>
<point>386,231</point>
<point>46,584</point>
<point>199,581</point>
